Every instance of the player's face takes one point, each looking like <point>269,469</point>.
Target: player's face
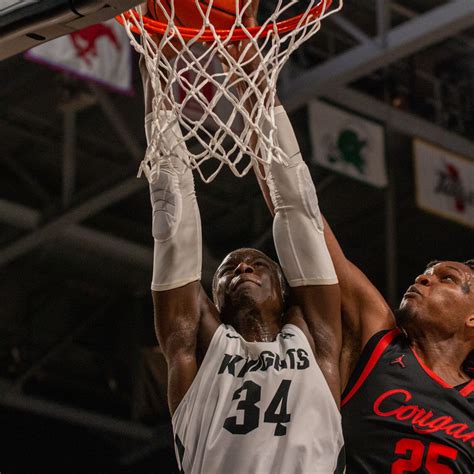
<point>442,296</point>
<point>248,277</point>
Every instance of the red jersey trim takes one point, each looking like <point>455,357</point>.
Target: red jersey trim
<point>430,373</point>
<point>468,389</point>
<point>369,366</point>
<point>464,392</point>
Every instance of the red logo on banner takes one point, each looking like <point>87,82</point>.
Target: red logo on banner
<point>453,173</point>
<point>450,184</point>
<point>85,41</point>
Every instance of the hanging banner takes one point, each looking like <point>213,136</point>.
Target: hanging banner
<point>348,143</point>
<point>444,183</point>
<point>99,53</point>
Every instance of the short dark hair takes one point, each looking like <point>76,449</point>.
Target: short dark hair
<point>469,263</point>
<point>432,264</point>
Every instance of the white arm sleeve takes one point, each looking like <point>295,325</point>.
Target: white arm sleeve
<point>176,220</point>
<point>298,228</point>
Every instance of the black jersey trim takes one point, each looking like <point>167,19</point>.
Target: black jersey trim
<point>370,356</point>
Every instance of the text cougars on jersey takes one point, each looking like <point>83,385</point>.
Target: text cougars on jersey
<point>238,366</point>
<point>394,404</point>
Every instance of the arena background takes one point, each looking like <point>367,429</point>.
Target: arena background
<point>82,383</point>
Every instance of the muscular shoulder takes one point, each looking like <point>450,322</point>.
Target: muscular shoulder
<point>294,315</point>
<point>322,343</point>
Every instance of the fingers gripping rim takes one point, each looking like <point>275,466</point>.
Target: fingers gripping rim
<point>229,125</point>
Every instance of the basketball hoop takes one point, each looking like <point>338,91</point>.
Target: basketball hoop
<point>236,124</point>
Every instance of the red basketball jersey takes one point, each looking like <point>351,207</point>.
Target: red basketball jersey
<point>400,417</point>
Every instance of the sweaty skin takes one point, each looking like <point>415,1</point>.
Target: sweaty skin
<point>437,314</point>
<point>249,294</point>
<point>365,311</point>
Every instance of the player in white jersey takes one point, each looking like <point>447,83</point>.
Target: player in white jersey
<point>254,383</point>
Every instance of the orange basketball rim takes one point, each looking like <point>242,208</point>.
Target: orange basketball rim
<point>153,26</point>
<point>222,131</point>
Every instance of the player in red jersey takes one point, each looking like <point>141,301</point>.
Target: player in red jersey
<point>408,399</point>
<point>408,402</point>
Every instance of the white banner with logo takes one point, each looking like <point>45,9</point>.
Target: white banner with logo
<point>99,53</point>
<point>444,183</point>
<point>348,143</point>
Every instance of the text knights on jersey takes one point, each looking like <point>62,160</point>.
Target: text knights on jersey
<point>238,366</point>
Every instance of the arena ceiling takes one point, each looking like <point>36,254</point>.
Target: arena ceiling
<point>76,325</point>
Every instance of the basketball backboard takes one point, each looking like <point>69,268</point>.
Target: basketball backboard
<point>28,23</point>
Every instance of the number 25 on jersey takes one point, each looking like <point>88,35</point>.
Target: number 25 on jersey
<point>416,455</point>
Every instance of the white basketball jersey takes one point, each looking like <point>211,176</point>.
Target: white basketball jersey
<point>258,407</point>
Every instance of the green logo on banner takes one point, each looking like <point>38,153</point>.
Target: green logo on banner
<point>350,147</point>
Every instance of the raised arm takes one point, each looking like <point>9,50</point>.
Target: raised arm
<point>298,227</point>
<point>364,310</point>
<point>299,240</point>
<point>180,303</point>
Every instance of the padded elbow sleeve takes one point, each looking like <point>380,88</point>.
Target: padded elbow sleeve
<point>298,228</point>
<point>176,221</point>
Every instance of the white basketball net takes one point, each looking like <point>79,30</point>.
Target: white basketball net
<point>211,104</point>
